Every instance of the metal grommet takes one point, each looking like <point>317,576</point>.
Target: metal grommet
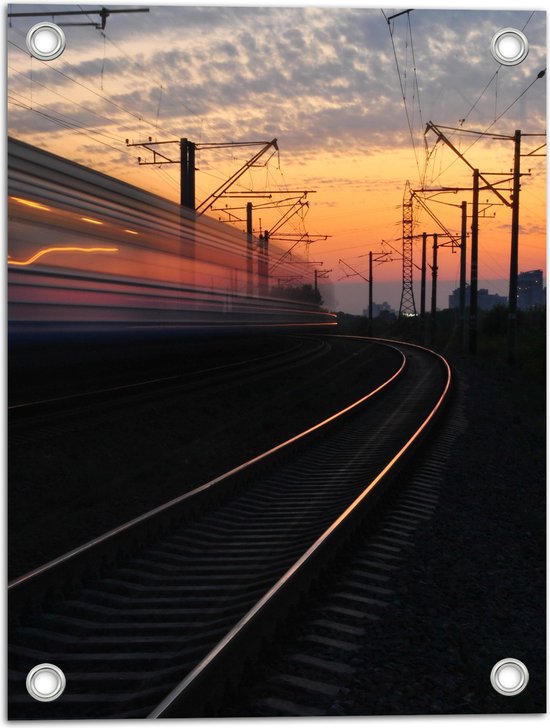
<point>46,682</point>
<point>509,676</point>
<point>509,46</point>
<point>45,41</point>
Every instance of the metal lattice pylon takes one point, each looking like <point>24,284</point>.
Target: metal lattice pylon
<point>407,307</point>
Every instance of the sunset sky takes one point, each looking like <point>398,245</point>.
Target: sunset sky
<point>325,83</point>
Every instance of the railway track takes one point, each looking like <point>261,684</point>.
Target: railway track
<point>304,350</point>
<point>159,617</point>
<point>317,665</point>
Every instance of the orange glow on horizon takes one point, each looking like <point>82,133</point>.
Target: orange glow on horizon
<point>70,249</point>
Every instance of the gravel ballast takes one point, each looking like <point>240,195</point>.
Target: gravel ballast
<point>472,591</point>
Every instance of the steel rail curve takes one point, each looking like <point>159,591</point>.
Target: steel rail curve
<point>297,559</point>
<point>188,698</point>
<point>167,509</point>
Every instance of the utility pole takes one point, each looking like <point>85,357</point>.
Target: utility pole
<point>263,263</point>
<point>462,294</point>
<point>434,289</point>
<point>187,174</point>
<point>473,265</point>
<point>406,306</point>
<point>514,204</point>
<point>423,330</point>
<point>186,160</point>
<point>513,290</point>
<point>320,273</point>
<point>370,292</point>
<point>249,251</point>
<point>378,257</point>
<point>367,280</point>
<point>423,279</point>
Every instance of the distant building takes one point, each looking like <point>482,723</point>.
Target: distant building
<point>530,290</point>
<point>485,300</point>
<point>380,309</point>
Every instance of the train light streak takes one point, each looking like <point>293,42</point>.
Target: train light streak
<point>91,219</point>
<point>69,249</point>
<point>30,203</point>
<point>185,272</point>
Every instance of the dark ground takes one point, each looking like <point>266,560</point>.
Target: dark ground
<point>73,481</point>
<point>473,591</point>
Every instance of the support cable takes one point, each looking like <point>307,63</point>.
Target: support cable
<point>403,96</point>
<point>540,74</point>
<point>88,88</point>
<point>417,91</point>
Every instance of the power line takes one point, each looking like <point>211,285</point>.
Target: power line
<point>403,96</point>
<point>57,93</point>
<point>417,89</point>
<point>473,106</point>
<point>134,62</point>
<point>119,106</point>
<point>493,77</point>
<point>64,123</point>
<point>540,74</point>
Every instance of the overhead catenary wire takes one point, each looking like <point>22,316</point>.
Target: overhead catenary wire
<point>91,90</point>
<point>34,106</point>
<point>51,90</point>
<point>417,92</point>
<point>144,70</point>
<point>403,95</point>
<point>485,131</point>
<point>497,117</point>
<point>64,123</point>
<point>490,81</point>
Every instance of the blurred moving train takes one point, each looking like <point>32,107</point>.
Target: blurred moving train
<point>89,253</point>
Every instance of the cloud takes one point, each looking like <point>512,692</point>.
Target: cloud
<point>317,78</point>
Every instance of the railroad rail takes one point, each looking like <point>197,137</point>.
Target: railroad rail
<point>305,349</point>
<point>158,618</point>
<point>342,630</point>
<point>54,417</point>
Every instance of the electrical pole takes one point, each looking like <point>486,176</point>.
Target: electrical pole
<point>513,290</point>
<point>407,306</point>
<point>187,174</point>
<point>473,265</point>
<point>249,250</point>
<point>423,321</point>
<point>423,279</point>
<point>462,299</point>
<point>379,258</point>
<point>320,273</point>
<point>263,263</point>
<point>514,204</point>
<point>370,292</point>
<point>186,160</point>
<point>434,289</point>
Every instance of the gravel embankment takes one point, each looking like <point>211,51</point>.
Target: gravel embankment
<point>473,589</point>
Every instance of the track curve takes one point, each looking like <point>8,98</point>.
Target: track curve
<point>178,602</point>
